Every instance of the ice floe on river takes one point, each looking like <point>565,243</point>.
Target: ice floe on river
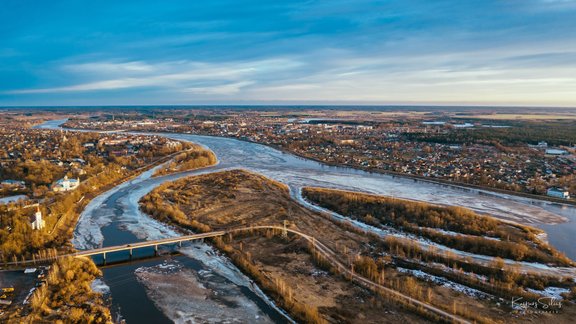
<point>224,267</point>
<point>184,298</point>
<point>204,296</point>
<point>101,212</point>
<point>99,286</point>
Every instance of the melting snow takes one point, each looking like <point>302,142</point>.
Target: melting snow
<point>447,283</point>
<point>554,292</point>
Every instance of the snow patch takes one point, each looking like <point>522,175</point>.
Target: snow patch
<point>27,299</point>
<point>553,292</point>
<point>99,286</point>
<point>447,283</point>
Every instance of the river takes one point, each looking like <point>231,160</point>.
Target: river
<point>114,218</point>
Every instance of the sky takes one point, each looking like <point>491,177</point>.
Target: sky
<point>182,52</point>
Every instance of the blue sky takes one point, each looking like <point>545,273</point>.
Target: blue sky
<point>73,52</point>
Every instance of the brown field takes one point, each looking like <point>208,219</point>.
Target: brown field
<point>521,116</point>
<point>239,198</point>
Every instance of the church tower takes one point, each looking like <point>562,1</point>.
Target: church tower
<point>38,222</point>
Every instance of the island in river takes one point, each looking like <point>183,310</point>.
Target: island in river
<point>236,198</point>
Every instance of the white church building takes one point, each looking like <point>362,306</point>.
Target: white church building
<point>38,222</point>
<point>65,184</point>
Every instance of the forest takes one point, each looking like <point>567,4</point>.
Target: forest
<point>519,133</point>
<point>67,297</point>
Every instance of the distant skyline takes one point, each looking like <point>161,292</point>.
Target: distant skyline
<point>410,52</point>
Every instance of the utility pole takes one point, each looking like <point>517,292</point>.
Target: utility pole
<point>284,231</point>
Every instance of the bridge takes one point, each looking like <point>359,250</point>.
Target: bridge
<point>131,247</point>
<point>127,247</point>
<point>319,247</point>
<point>134,246</point>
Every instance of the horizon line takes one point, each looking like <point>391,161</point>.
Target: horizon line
<point>277,105</point>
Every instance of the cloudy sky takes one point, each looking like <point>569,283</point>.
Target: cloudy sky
<point>73,52</point>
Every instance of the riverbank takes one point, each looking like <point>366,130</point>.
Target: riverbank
<point>194,158</point>
<point>224,199</point>
<point>68,227</point>
<point>66,295</point>
<point>484,189</point>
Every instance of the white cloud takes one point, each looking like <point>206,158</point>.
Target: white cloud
<point>175,74</point>
<point>225,89</point>
<point>110,67</point>
<point>505,74</point>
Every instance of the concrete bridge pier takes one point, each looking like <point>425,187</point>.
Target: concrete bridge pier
<point>104,257</point>
<point>155,250</point>
<point>130,254</point>
<point>180,244</point>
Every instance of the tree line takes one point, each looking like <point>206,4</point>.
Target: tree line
<point>67,296</point>
<point>520,133</point>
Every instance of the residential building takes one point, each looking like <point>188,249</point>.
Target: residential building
<point>556,152</point>
<point>12,183</point>
<point>558,193</point>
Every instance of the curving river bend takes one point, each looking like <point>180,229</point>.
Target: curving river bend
<point>114,218</point>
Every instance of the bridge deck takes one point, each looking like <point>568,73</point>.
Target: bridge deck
<point>138,245</point>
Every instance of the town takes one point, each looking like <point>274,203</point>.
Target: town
<point>47,177</point>
<point>480,153</point>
